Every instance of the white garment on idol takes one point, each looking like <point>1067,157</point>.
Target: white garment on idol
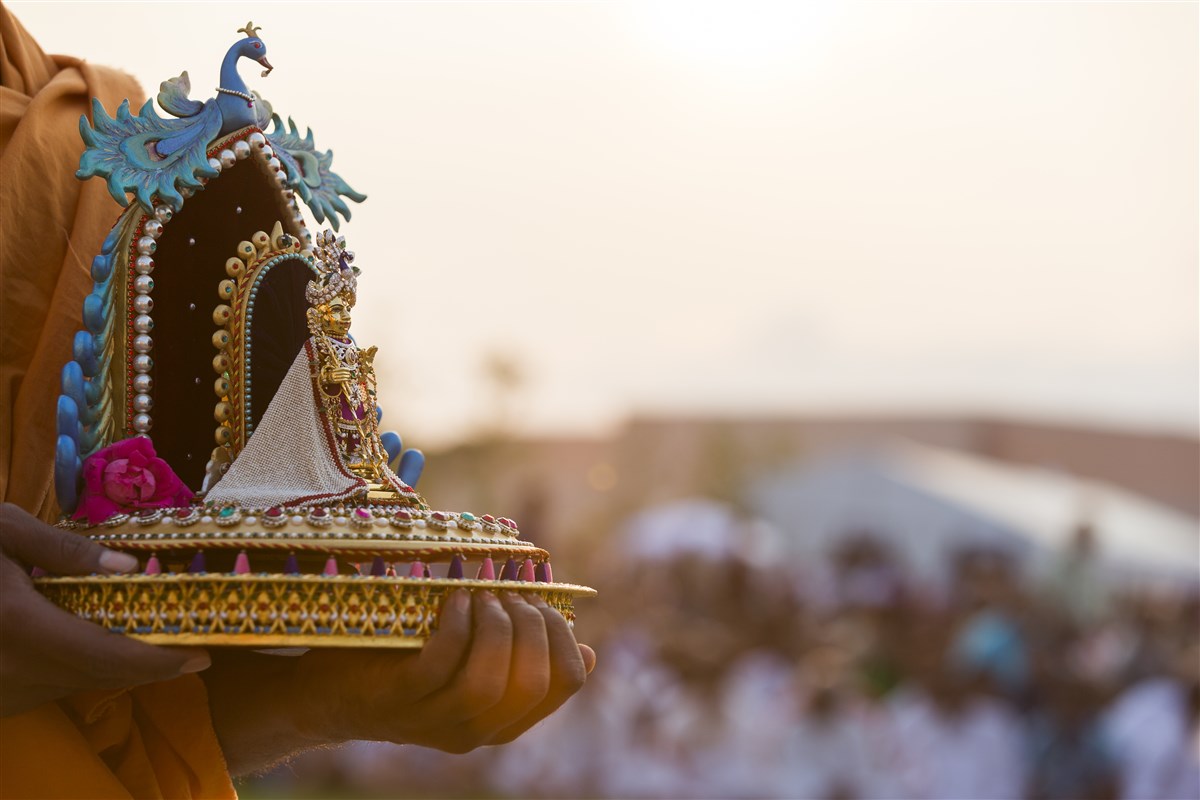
<point>291,459</point>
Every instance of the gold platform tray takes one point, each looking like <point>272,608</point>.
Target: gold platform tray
<point>271,610</point>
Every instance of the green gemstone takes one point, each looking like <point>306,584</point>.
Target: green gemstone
<point>467,516</point>
<point>226,512</point>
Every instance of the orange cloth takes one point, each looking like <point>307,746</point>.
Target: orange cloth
<point>53,225</point>
<point>155,741</point>
<point>152,741</point>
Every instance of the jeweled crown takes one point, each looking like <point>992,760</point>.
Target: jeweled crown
<point>336,275</point>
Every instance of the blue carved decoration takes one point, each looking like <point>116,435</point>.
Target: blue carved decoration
<point>124,151</point>
<point>147,155</point>
<point>408,464</point>
<point>309,173</point>
<point>236,111</point>
<point>85,406</point>
<point>68,470</point>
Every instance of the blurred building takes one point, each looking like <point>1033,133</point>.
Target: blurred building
<point>564,489</point>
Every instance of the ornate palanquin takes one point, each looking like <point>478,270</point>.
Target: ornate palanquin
<point>198,311</point>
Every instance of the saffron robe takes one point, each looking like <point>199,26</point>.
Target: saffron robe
<point>147,742</point>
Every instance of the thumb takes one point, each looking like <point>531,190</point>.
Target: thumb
<point>35,543</point>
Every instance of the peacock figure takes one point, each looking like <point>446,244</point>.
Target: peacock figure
<point>166,160</point>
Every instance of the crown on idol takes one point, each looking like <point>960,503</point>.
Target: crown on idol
<point>218,421</point>
<point>336,275</point>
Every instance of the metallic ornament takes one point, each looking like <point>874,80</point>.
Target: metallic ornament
<point>146,246</point>
<point>164,213</point>
<point>143,323</point>
<point>143,303</point>
<point>143,284</point>
<point>142,383</point>
<point>241,150</point>
<point>257,140</point>
<point>228,159</point>
<point>142,363</point>
<point>143,265</point>
<point>142,343</point>
<point>142,423</point>
<point>153,228</point>
<point>142,402</point>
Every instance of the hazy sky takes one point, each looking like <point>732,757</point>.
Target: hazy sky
<point>739,208</point>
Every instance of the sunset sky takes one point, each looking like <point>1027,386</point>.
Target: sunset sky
<point>739,208</point>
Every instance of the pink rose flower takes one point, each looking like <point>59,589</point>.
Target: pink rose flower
<point>128,476</point>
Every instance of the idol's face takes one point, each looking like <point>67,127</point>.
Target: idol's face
<point>336,319</point>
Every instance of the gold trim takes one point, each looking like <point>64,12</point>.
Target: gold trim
<point>232,317</point>
<point>278,610</point>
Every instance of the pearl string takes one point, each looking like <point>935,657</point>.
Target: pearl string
<point>247,97</point>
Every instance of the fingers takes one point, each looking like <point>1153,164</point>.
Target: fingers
<point>35,543</point>
<point>494,668</point>
<point>481,682</point>
<point>589,658</point>
<point>568,665</point>
<point>530,670</point>
<point>81,654</point>
<point>444,652</point>
<point>514,675</point>
<point>49,653</point>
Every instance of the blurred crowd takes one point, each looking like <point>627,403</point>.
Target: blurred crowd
<point>724,678</point>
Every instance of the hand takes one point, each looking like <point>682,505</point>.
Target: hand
<point>339,375</point>
<point>48,653</point>
<point>495,667</point>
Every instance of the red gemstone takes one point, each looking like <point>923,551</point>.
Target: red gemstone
<point>275,512</point>
<point>440,516</point>
<point>319,512</point>
<point>488,518</point>
<point>403,515</point>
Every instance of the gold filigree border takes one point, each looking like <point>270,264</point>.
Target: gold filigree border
<point>278,610</point>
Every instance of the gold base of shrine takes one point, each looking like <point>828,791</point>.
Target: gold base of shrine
<point>269,610</point>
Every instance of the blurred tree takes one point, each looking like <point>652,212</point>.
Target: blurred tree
<point>505,377</point>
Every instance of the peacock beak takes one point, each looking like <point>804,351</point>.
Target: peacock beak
<point>266,64</point>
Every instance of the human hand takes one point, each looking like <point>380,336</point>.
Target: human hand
<point>47,653</point>
<point>495,667</point>
<point>338,375</point>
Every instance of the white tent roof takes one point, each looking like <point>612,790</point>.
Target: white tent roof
<point>924,501</point>
<point>698,526</point>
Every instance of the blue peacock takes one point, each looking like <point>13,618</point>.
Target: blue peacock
<point>154,157</point>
